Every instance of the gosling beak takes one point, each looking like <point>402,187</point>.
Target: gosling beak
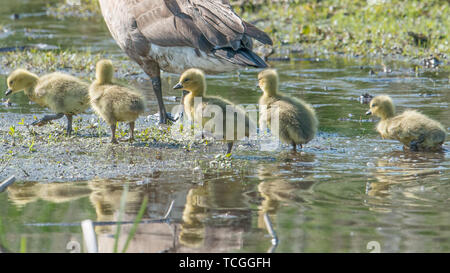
<point>368,113</point>
<point>9,91</point>
<point>178,86</point>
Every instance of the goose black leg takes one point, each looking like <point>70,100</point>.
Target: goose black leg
<point>294,147</point>
<point>164,117</point>
<point>152,69</point>
<point>46,119</point>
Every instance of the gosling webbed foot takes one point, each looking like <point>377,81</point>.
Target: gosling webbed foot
<point>46,119</point>
<point>414,145</point>
<point>130,139</point>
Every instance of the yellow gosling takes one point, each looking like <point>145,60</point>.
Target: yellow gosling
<point>416,131</point>
<point>193,80</point>
<point>297,119</point>
<point>63,94</point>
<point>113,102</point>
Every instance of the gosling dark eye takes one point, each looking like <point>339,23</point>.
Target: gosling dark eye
<point>186,80</point>
<point>11,82</point>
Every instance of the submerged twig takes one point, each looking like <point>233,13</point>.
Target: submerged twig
<point>103,223</point>
<point>6,183</point>
<point>5,165</point>
<point>271,232</point>
<point>89,236</point>
<point>169,210</point>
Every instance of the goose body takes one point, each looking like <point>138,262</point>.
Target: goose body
<point>61,93</point>
<point>175,35</point>
<point>177,59</point>
<point>114,103</point>
<point>413,129</point>
<point>297,123</point>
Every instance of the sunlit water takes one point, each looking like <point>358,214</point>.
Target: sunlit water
<point>346,188</point>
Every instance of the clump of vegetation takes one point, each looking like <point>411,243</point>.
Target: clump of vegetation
<point>75,8</point>
<point>359,28</point>
<point>52,60</point>
<point>78,62</point>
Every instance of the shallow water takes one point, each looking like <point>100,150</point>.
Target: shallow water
<point>346,188</point>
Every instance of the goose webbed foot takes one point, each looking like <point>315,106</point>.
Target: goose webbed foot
<point>46,119</point>
<point>171,118</point>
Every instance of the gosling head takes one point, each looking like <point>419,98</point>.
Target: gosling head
<point>104,71</point>
<point>381,106</point>
<point>192,80</point>
<point>20,80</point>
<point>268,81</point>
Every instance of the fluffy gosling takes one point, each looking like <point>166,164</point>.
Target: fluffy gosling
<point>297,119</point>
<point>416,131</point>
<point>63,94</point>
<point>113,102</point>
<point>193,80</point>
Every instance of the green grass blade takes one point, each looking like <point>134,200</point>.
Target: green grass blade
<point>135,224</point>
<point>23,244</point>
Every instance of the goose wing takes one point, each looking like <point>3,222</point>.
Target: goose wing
<point>209,25</point>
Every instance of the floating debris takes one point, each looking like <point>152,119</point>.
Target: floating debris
<point>365,98</point>
<point>6,102</point>
<point>7,183</point>
<point>431,62</point>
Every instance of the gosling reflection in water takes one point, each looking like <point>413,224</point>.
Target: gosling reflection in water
<point>23,194</point>
<point>223,201</point>
<point>400,169</point>
<point>282,183</point>
<point>208,218</point>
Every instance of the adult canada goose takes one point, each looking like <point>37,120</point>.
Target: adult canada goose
<point>415,130</point>
<point>114,102</point>
<point>63,94</point>
<point>175,35</point>
<point>297,119</point>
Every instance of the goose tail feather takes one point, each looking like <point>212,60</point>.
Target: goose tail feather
<point>242,56</point>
